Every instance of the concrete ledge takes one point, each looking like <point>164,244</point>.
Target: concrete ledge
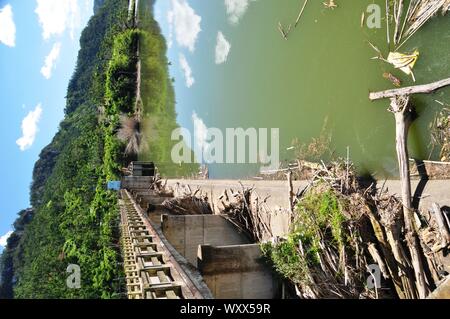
<point>236,272</point>
<point>187,232</point>
<point>229,259</point>
<point>136,182</point>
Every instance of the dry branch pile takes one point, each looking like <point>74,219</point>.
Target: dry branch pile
<point>408,20</point>
<point>187,202</point>
<point>247,211</point>
<point>160,187</point>
<point>340,229</point>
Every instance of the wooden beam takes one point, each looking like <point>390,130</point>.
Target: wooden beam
<point>425,88</point>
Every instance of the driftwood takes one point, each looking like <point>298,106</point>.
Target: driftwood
<point>291,192</point>
<point>160,187</point>
<point>376,226</point>
<point>248,212</point>
<point>426,88</point>
<point>417,14</point>
<point>284,34</point>
<point>442,225</point>
<point>187,202</point>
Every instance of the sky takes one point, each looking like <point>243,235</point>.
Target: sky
<point>39,43</point>
<point>199,38</point>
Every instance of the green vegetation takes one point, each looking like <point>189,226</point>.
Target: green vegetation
<point>121,74</point>
<point>74,219</point>
<point>319,217</point>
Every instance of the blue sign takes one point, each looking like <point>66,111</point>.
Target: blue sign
<point>114,185</point>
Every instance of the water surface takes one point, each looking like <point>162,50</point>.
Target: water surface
<point>323,71</point>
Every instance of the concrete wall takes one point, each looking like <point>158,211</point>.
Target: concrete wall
<point>186,233</point>
<point>136,182</point>
<point>278,202</point>
<point>237,272</point>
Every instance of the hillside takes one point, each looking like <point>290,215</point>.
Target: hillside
<point>73,218</point>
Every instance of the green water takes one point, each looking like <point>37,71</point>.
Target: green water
<point>323,71</point>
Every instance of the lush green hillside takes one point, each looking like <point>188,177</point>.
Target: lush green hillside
<point>74,219</point>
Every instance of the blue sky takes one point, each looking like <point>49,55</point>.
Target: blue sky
<point>200,37</point>
<point>39,42</point>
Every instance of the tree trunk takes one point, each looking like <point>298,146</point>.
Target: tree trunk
<point>401,112</point>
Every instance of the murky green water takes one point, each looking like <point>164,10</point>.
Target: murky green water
<point>323,71</point>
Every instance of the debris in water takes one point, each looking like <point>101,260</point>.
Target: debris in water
<point>330,4</point>
<point>389,76</point>
<point>300,13</point>
<point>404,62</point>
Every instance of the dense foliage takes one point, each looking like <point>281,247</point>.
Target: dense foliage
<point>75,219</point>
<point>121,74</point>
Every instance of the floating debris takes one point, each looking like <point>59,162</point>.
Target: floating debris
<point>300,13</point>
<point>330,4</point>
<point>389,76</point>
<point>404,62</point>
<point>417,14</point>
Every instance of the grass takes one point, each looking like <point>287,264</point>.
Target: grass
<point>318,220</point>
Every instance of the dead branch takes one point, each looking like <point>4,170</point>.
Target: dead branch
<point>418,89</point>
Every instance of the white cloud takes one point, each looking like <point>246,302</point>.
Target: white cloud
<point>50,60</point>
<point>55,16</point>
<point>185,23</point>
<point>7,26</point>
<point>222,48</point>
<point>4,239</point>
<point>200,132</point>
<point>236,9</point>
<point>29,128</point>
<point>187,71</point>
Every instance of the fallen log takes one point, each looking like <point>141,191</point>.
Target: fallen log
<point>406,91</point>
